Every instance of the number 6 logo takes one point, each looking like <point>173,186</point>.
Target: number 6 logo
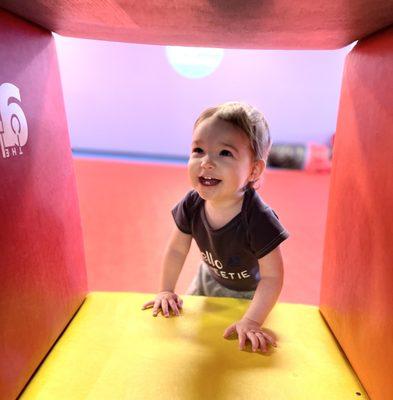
<point>13,123</point>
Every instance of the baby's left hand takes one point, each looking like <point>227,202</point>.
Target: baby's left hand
<point>251,330</point>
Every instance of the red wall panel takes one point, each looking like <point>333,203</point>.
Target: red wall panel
<point>274,24</point>
<point>356,294</point>
<point>42,271</point>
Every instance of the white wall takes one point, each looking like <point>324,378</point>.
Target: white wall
<point>127,97</point>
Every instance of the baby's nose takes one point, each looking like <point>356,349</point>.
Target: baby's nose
<point>207,162</point>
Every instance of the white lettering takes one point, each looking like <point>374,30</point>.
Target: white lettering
<point>211,259</point>
<point>217,268</point>
<point>245,274</point>
<point>208,258</point>
<point>13,127</point>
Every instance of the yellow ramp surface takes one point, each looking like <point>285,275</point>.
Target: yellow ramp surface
<point>114,350</point>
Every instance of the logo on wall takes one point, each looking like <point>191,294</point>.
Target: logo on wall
<point>13,123</point>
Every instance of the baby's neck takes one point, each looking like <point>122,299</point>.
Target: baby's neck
<point>219,214</point>
<point>226,205</point>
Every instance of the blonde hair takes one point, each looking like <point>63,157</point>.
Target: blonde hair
<point>248,119</point>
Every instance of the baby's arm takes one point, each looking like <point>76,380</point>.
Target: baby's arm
<point>269,287</point>
<point>174,257</point>
<point>265,297</point>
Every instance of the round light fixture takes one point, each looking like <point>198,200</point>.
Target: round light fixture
<point>194,62</point>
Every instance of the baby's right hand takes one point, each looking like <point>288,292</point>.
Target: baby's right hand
<point>162,302</point>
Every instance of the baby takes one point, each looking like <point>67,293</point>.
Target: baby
<point>238,235</point>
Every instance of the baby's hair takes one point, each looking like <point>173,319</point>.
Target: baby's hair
<point>248,119</point>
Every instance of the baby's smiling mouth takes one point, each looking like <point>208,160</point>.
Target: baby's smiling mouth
<point>208,181</point>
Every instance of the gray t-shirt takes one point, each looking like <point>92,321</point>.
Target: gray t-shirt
<point>232,252</point>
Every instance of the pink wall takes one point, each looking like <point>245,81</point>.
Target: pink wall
<point>127,97</point>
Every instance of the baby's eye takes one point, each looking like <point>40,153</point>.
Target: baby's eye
<point>197,150</point>
<point>226,153</point>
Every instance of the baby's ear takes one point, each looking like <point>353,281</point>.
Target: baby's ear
<point>258,167</point>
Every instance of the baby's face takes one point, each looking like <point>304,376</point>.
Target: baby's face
<point>221,161</point>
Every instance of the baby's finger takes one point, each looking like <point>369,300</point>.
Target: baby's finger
<point>156,308</point>
<point>179,302</point>
<point>262,341</point>
<point>173,305</point>
<point>270,339</point>
<point>149,304</point>
<point>242,340</point>
<point>230,330</point>
<point>164,306</point>
<point>254,340</point>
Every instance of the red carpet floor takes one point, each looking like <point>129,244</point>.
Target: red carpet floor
<point>125,211</point>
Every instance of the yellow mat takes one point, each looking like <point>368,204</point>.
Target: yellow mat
<point>114,350</point>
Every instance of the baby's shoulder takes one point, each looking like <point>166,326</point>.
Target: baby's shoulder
<point>254,203</point>
<point>257,211</point>
<point>192,200</point>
